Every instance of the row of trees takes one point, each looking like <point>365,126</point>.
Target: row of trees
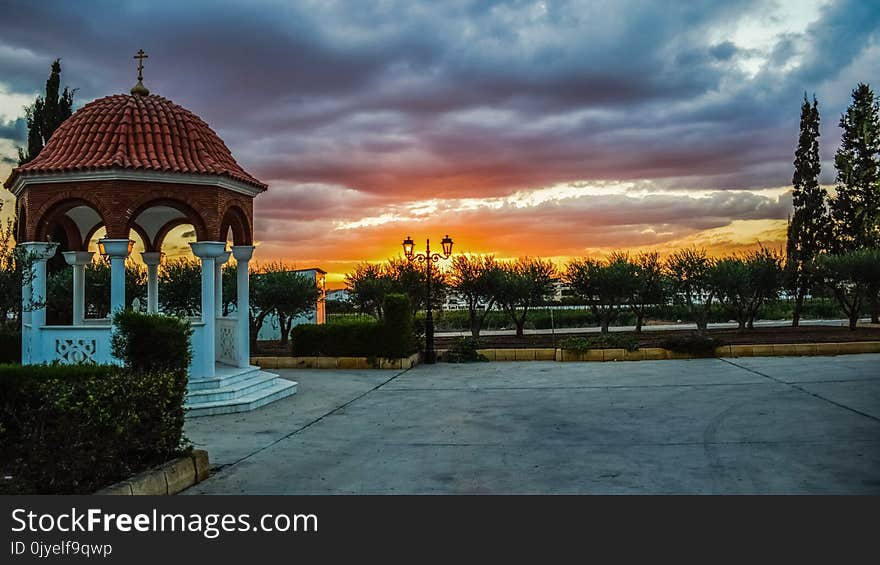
<point>739,283</point>
<point>839,232</point>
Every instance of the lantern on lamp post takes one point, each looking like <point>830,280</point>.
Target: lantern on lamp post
<point>429,259</point>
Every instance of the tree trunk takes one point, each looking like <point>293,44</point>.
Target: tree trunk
<point>741,323</point>
<point>798,306</point>
<point>640,318</point>
<point>284,329</point>
<point>520,324</point>
<point>875,308</point>
<point>853,319</point>
<point>475,325</point>
<point>605,324</point>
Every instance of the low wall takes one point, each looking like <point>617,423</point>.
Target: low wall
<point>314,362</point>
<point>657,353</point>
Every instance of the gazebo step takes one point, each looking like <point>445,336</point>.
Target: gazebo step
<point>242,387</point>
<point>224,375</point>
<point>280,388</point>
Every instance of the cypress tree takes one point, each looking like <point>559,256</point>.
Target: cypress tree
<point>46,114</point>
<point>856,207</point>
<point>808,227</point>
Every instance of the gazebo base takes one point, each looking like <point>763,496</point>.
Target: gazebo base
<point>235,389</point>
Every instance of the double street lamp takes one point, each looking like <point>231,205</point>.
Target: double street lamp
<point>428,258</point>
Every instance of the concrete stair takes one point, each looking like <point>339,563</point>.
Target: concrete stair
<point>235,389</point>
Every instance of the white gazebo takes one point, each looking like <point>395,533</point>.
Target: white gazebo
<point>140,163</point>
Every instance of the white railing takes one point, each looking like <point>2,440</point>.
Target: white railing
<point>73,344</point>
<point>226,344</point>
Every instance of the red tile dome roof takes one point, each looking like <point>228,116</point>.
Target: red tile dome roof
<point>144,133</point>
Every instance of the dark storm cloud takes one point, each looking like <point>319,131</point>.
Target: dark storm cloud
<point>397,101</point>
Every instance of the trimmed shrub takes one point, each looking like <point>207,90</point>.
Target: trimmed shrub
<point>349,338</point>
<point>70,429</point>
<point>464,350</point>
<point>398,339</point>
<point>601,341</point>
<point>152,342</point>
<point>365,337</point>
<point>692,343</point>
<point>10,345</point>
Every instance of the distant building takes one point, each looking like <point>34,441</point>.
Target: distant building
<point>271,329</point>
<point>339,295</point>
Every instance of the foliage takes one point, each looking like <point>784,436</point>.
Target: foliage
<point>46,114</point>
<point>361,337</point>
<point>10,344</point>
<point>180,286</point>
<point>852,278</point>
<point>693,343</point>
<point>855,208</point>
<point>475,279</point>
<point>277,289</point>
<point>367,286</point>
<point>612,340</point>
<point>398,339</point>
<point>75,428</point>
<point>650,287</point>
<point>352,338</point>
<point>12,275</point>
<point>689,270</point>
<point>152,342</point>
<point>606,285</point>
<point>411,278</point>
<point>465,350</point>
<point>522,285</point>
<point>741,284</point>
<point>808,228</point>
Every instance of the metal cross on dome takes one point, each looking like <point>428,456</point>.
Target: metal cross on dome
<point>141,56</point>
<point>139,89</point>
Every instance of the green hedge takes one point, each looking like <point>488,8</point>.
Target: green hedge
<point>391,337</point>
<point>152,342</point>
<point>70,429</point>
<point>10,345</point>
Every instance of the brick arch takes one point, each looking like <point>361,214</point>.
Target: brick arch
<point>42,222</point>
<point>236,218</point>
<point>191,216</point>
<point>166,229</point>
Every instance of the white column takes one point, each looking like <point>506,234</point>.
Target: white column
<point>78,260</point>
<point>38,253</point>
<point>208,251</point>
<point>152,260</point>
<point>243,254</point>
<point>218,283</point>
<point>118,250</point>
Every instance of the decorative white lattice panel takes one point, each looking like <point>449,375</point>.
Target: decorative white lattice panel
<point>226,343</point>
<point>76,350</point>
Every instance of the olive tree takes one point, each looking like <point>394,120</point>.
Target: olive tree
<point>476,280</point>
<point>689,271</point>
<point>521,285</point>
<point>606,285</point>
<point>851,277</point>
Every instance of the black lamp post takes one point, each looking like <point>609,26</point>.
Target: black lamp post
<point>428,258</point>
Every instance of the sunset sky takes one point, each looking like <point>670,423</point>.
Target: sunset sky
<point>520,128</point>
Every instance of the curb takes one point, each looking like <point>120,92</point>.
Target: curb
<point>658,353</point>
<point>168,478</point>
<point>315,362</point>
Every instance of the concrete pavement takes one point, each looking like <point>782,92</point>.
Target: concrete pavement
<point>756,425</point>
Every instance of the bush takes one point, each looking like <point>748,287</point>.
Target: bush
<point>10,345</point>
<point>360,337</point>
<point>152,342</point>
<point>398,339</point>
<point>68,429</point>
<point>600,341</point>
<point>693,343</point>
<point>464,350</point>
<point>349,338</point>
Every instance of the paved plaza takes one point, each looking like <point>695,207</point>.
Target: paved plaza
<point>753,425</point>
